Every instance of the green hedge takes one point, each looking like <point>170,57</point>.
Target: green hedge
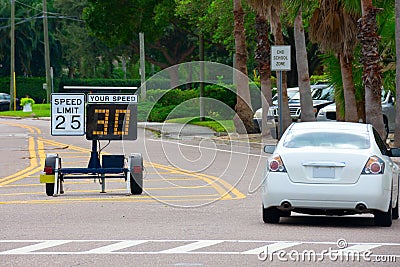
<point>32,86</point>
<point>161,104</point>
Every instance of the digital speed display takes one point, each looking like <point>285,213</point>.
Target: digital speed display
<point>111,122</point>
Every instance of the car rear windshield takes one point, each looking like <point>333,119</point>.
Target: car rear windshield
<point>337,140</point>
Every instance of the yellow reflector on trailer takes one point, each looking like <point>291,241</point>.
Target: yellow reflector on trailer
<point>47,178</point>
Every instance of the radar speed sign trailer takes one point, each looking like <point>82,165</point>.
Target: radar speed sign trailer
<point>102,117</point>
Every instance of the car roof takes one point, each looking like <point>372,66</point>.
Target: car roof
<point>331,125</point>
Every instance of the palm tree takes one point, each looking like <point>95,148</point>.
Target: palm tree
<point>244,111</point>
<point>334,28</point>
<point>275,9</point>
<point>372,74</point>
<point>397,130</point>
<point>272,9</point>
<point>262,57</point>
<point>296,7</point>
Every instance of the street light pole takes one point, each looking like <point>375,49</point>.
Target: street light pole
<point>47,52</point>
<point>12,37</point>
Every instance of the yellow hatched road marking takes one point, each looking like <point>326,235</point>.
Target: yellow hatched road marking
<point>37,157</point>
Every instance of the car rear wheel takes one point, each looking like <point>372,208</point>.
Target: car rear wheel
<point>271,215</point>
<point>395,211</point>
<point>383,218</point>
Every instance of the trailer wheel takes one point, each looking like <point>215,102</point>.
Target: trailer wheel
<point>50,162</point>
<point>136,189</point>
<point>136,170</point>
<point>49,189</point>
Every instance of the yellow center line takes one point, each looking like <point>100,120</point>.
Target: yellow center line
<point>223,188</point>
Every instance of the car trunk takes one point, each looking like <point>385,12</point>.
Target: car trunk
<point>333,166</point>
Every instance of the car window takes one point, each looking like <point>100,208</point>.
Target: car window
<point>323,94</point>
<point>290,94</point>
<point>337,140</point>
<point>326,93</point>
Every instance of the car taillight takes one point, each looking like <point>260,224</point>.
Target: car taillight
<point>374,165</point>
<point>276,164</point>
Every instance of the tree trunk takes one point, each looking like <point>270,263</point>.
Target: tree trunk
<point>174,76</point>
<point>397,129</point>
<point>349,92</point>
<point>278,35</point>
<point>370,59</point>
<point>243,119</point>
<point>307,113</point>
<point>262,56</point>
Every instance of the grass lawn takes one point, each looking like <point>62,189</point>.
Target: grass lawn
<point>38,110</point>
<point>43,110</point>
<point>219,126</point>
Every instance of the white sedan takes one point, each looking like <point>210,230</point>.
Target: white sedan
<point>332,168</point>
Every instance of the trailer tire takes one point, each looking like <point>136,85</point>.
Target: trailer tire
<point>49,189</point>
<point>50,161</point>
<point>136,178</point>
<point>136,189</point>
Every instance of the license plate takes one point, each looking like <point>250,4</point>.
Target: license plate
<point>323,172</point>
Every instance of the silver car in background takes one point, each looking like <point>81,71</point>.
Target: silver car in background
<point>328,113</point>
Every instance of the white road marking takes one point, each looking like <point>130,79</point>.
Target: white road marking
<point>34,247</point>
<point>214,149</point>
<point>274,247</point>
<point>360,248</point>
<point>192,246</point>
<point>116,246</point>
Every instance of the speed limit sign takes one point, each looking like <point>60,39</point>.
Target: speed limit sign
<point>67,114</point>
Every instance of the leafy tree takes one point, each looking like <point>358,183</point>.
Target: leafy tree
<point>169,41</point>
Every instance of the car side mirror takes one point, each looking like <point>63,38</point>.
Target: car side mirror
<point>394,152</point>
<point>269,149</point>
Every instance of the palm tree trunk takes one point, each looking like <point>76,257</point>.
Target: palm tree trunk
<point>243,119</point>
<point>262,56</point>
<point>277,31</point>
<point>307,113</point>
<point>370,59</point>
<point>349,91</point>
<point>397,129</point>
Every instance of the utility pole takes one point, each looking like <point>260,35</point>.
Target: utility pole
<point>47,52</point>
<point>201,52</point>
<point>12,37</point>
<point>143,89</point>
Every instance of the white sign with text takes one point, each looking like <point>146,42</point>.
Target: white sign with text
<point>67,114</point>
<point>280,58</point>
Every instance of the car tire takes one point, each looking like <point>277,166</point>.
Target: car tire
<point>383,218</point>
<point>395,210</point>
<point>271,215</point>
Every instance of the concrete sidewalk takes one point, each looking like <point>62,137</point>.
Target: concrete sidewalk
<point>190,131</point>
<point>177,130</point>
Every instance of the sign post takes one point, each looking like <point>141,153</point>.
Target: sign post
<point>280,61</point>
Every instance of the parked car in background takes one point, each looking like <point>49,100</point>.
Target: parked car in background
<point>328,113</point>
<point>331,168</point>
<point>322,95</point>
<point>4,101</point>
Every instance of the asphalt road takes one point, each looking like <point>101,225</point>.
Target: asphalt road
<point>201,207</point>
